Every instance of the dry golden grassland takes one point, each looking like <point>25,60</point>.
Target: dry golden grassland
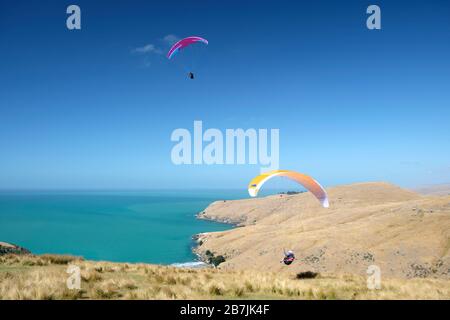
<point>44,277</point>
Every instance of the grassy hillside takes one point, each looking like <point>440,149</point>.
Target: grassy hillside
<point>44,277</point>
<point>406,234</point>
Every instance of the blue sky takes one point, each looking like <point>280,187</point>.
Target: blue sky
<point>83,109</point>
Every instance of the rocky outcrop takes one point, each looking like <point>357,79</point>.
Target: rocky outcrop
<point>8,248</point>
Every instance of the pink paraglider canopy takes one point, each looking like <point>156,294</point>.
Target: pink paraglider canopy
<point>183,44</point>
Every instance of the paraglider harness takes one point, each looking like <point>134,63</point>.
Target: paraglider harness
<point>191,75</point>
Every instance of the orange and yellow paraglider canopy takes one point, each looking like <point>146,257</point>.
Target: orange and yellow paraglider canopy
<point>309,183</point>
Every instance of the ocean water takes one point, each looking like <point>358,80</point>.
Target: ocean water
<point>152,226</point>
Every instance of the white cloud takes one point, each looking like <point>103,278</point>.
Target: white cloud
<point>171,39</point>
<point>148,48</point>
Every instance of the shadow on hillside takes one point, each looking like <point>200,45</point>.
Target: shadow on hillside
<point>306,275</point>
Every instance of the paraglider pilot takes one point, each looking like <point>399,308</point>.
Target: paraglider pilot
<point>191,75</point>
<point>289,257</point>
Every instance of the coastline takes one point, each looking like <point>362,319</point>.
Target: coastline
<point>204,215</point>
<point>201,238</point>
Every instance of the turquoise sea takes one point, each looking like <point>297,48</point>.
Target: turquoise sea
<point>150,226</point>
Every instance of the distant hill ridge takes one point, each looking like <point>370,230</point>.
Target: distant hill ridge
<point>437,190</point>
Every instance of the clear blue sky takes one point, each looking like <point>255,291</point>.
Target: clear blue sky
<point>83,109</point>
